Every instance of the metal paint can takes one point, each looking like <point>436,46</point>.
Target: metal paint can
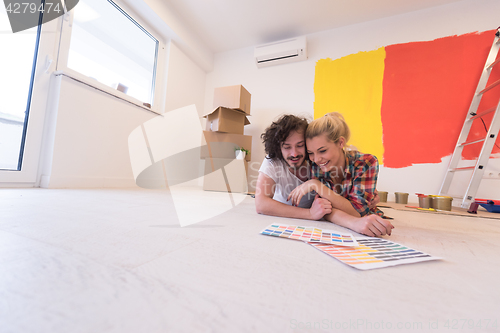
<point>424,201</point>
<point>441,202</point>
<point>383,196</point>
<point>401,197</point>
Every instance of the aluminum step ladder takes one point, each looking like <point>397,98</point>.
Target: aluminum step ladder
<point>488,141</point>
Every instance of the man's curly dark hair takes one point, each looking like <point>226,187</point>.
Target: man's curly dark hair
<point>276,134</point>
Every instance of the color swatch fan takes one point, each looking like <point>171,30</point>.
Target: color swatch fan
<point>310,234</point>
<point>374,253</point>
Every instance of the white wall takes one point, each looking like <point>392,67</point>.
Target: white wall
<point>185,81</point>
<point>159,13</point>
<point>289,88</point>
<point>90,138</point>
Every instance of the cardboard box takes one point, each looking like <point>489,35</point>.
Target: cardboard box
<point>225,175</point>
<point>222,145</point>
<point>233,97</point>
<point>226,120</point>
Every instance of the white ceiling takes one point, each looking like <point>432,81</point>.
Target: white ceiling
<point>231,24</point>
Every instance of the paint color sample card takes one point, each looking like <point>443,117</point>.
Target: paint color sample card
<point>374,253</point>
<point>333,237</point>
<point>290,231</point>
<point>309,234</point>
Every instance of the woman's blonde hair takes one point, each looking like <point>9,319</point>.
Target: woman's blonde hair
<point>332,124</point>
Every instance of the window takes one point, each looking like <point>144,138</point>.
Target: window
<point>17,65</point>
<point>109,46</point>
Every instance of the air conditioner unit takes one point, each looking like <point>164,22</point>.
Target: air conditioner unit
<point>281,52</point>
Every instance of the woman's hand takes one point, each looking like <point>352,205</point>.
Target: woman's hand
<point>372,225</point>
<point>320,207</point>
<point>375,200</point>
<point>301,190</point>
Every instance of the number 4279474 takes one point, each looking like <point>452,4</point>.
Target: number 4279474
<point>31,7</point>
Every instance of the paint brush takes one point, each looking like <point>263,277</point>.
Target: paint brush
<point>420,208</point>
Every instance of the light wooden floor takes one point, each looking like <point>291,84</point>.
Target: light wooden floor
<point>118,261</point>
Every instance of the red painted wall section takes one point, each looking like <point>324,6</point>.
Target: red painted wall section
<point>427,90</point>
<point>490,99</point>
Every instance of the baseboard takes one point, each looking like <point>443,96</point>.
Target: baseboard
<point>81,182</point>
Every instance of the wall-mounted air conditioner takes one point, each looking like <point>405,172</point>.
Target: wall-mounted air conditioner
<point>281,52</point>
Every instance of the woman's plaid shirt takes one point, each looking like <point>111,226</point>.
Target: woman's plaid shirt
<point>360,181</point>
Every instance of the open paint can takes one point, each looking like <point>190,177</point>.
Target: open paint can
<point>401,197</point>
<point>383,196</point>
<point>424,201</point>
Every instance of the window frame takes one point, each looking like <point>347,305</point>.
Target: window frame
<point>159,77</point>
<point>34,66</point>
<point>27,176</point>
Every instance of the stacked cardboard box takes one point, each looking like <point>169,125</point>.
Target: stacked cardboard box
<point>223,134</point>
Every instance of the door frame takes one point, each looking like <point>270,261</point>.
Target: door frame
<point>45,64</point>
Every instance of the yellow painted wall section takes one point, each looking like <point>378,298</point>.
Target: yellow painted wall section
<point>352,85</point>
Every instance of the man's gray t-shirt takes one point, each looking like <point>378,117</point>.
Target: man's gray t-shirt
<point>277,170</point>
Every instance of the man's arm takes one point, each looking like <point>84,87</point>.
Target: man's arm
<point>337,200</point>
<point>265,204</point>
